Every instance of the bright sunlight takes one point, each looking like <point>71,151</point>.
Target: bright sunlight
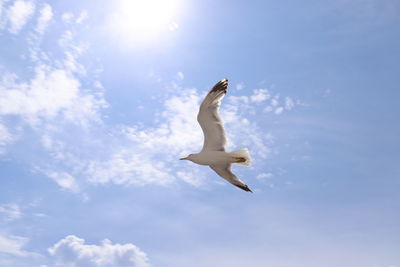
<point>144,20</point>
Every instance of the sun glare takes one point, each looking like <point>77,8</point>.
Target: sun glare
<point>145,19</point>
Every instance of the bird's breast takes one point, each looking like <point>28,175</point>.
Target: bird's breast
<point>212,158</point>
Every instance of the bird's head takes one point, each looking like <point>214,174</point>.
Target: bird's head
<point>190,157</point>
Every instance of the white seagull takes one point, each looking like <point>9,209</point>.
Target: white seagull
<point>213,153</point>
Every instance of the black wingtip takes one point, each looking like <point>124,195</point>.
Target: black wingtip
<point>222,85</point>
<point>244,187</point>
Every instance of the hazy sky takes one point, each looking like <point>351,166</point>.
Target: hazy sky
<point>98,101</point>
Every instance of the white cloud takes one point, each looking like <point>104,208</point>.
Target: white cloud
<point>264,175</point>
<point>275,101</point>
<point>82,16</point>
<point>259,95</point>
<point>5,138</point>
<point>63,179</point>
<point>274,105</point>
<point>1,11</point>
<point>173,26</point>
<point>47,141</point>
<point>49,93</point>
<point>130,167</point>
<point>73,252</point>
<point>12,244</point>
<point>72,51</point>
<point>279,110</point>
<point>45,16</point>
<point>98,85</point>
<point>67,17</point>
<point>289,103</point>
<point>180,75</point>
<point>241,131</point>
<point>236,102</point>
<point>240,86</point>
<point>268,109</point>
<point>18,15</point>
<point>10,211</point>
<point>327,92</point>
<point>72,64</point>
<point>193,177</point>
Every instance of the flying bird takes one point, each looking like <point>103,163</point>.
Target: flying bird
<point>214,152</point>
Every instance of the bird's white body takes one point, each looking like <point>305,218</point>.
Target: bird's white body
<point>213,153</point>
<point>211,158</point>
<point>221,158</point>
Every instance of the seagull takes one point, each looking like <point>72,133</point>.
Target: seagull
<point>214,152</point>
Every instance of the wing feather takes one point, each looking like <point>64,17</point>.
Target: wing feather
<point>209,119</point>
<point>225,172</point>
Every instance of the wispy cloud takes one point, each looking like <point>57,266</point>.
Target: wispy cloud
<point>327,92</point>
<point>180,76</point>
<point>130,167</point>
<point>240,86</point>
<point>289,103</point>
<point>264,175</point>
<point>275,100</point>
<point>279,110</point>
<point>63,179</point>
<point>82,16</point>
<point>72,251</point>
<point>173,26</point>
<point>67,17</point>
<point>260,95</point>
<point>5,138</point>
<point>45,15</point>
<point>11,244</point>
<point>1,12</point>
<point>10,212</point>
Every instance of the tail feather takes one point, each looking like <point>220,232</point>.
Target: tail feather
<point>241,156</point>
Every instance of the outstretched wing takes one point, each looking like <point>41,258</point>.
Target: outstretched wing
<point>225,172</point>
<point>209,119</point>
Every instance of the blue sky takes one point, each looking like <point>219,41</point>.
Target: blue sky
<point>98,101</point>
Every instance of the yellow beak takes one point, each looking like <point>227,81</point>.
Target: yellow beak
<point>183,158</point>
